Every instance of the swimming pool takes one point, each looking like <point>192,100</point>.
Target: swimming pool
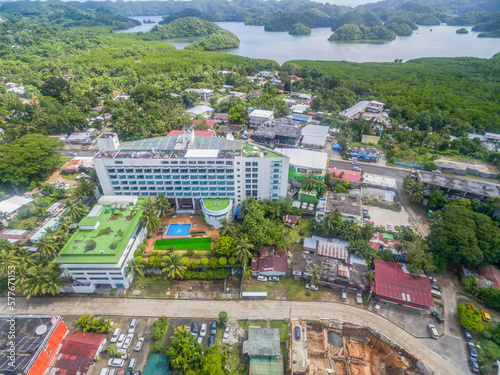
<point>179,230</point>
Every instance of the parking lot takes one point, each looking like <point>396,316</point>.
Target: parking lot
<point>383,216</point>
<point>142,330</point>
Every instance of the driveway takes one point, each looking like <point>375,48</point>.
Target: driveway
<point>235,310</point>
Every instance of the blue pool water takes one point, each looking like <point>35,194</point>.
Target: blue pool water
<point>178,230</point>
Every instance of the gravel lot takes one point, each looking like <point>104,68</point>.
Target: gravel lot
<point>382,216</point>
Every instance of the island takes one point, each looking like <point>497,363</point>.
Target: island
<point>222,39</point>
<point>352,32</point>
<point>463,30</point>
<point>299,29</point>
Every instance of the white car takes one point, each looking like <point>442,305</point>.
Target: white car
<point>116,362</point>
<point>66,187</point>
<point>225,335</point>
<point>261,278</point>
<point>120,341</point>
<point>128,341</point>
<point>133,324</point>
<point>138,344</point>
<point>377,307</point>
<point>200,340</point>
<point>203,330</point>
<point>389,227</point>
<point>311,287</point>
<point>115,336</point>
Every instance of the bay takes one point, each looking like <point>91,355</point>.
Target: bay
<point>433,41</point>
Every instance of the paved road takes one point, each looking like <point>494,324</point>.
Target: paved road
<point>235,310</point>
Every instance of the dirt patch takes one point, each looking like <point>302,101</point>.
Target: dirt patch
<point>381,216</point>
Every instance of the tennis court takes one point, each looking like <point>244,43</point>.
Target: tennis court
<point>202,243</point>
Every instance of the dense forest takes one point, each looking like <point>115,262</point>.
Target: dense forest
<point>353,32</point>
<point>299,29</point>
<point>189,26</point>
<point>222,39</point>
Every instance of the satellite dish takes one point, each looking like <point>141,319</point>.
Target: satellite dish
<point>102,251</point>
<point>40,330</point>
<point>230,137</point>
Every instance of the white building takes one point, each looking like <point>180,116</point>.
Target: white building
<point>200,110</point>
<point>98,252</point>
<point>203,94</point>
<point>259,116</point>
<point>188,167</point>
<point>314,136</point>
<point>306,161</point>
<point>10,206</point>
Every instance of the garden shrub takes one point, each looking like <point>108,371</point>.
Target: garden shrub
<point>222,261</point>
<point>232,261</point>
<point>185,260</point>
<point>137,253</point>
<point>204,261</point>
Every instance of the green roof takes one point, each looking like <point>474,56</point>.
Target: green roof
<point>249,148</point>
<point>111,237</point>
<point>266,366</point>
<point>88,221</point>
<point>210,203</point>
<point>388,236</point>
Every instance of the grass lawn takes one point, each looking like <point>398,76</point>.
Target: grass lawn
<point>286,289</point>
<point>294,233</point>
<point>29,222</point>
<point>201,243</point>
<point>156,286</point>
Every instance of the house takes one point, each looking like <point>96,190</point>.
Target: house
<point>255,94</point>
<point>306,119</point>
<point>277,133</point>
<point>37,341</point>
<point>78,352</point>
<point>82,138</point>
<point>299,108</point>
<point>238,95</point>
<point>492,137</point>
<point>263,348</point>
<point>314,136</point>
<point>14,236</point>
<point>386,241</point>
<point>349,205</point>
<point>328,247</point>
<point>378,181</point>
<point>347,273</point>
<point>98,252</point>
<point>78,164</point>
<point>289,220</point>
<point>269,261</point>
<point>363,153</point>
<point>259,116</point>
<point>203,94</point>
<point>222,118</point>
<point>306,161</point>
<point>393,283</point>
<point>368,110</point>
<point>353,177</point>
<point>18,90</point>
<point>121,97</point>
<point>200,110</point>
<point>10,206</point>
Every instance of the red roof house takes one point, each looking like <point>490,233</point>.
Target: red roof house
<point>223,117</point>
<point>270,261</point>
<point>200,133</point>
<point>290,220</point>
<point>491,274</point>
<point>394,284</point>
<point>78,352</point>
<point>352,176</point>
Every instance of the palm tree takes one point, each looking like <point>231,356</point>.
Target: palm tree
<point>134,269</point>
<point>42,280</point>
<point>149,206</point>
<point>331,222</point>
<point>150,219</point>
<point>309,183</point>
<point>415,191</point>
<point>76,212</point>
<point>173,267</point>
<point>84,323</point>
<point>226,229</point>
<point>101,324</point>
<point>47,246</point>
<point>314,224</point>
<point>242,250</point>
<point>25,258</point>
<point>315,272</point>
<point>161,203</point>
<point>7,261</point>
<point>84,189</point>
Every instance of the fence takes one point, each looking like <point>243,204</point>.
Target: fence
<point>411,165</point>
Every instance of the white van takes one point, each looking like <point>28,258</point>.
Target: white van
<point>131,364</point>
<point>436,293</point>
<point>104,371</point>
<point>115,336</point>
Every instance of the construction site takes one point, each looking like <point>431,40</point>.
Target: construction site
<point>339,348</point>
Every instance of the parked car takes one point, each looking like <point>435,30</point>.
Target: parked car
<point>225,335</point>
<point>311,287</point>
<point>436,287</point>
<point>473,365</point>
<point>410,228</point>
<point>389,227</point>
<point>297,332</point>
<point>467,334</point>
<point>138,344</point>
<point>203,330</point>
<point>211,341</point>
<point>200,340</point>
<point>104,371</point>
<point>433,331</point>
<point>213,328</point>
<point>112,371</point>
<point>137,372</point>
<point>132,363</point>
<point>66,186</point>
<point>485,315</point>
<point>472,349</point>
<point>121,340</point>
<point>343,294</point>
<point>121,372</point>
<point>72,153</point>
<point>432,279</point>
<point>356,163</point>
<point>357,169</point>
<point>261,278</point>
<point>115,336</point>
<point>133,324</point>
<point>376,308</point>
<point>116,362</point>
<point>359,298</point>
<point>61,185</point>
<point>438,317</point>
<point>274,278</point>
<point>128,341</point>
<point>194,327</point>
<point>436,293</point>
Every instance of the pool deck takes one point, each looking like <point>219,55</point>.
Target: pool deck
<point>196,224</point>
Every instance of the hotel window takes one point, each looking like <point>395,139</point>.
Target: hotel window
<point>165,170</point>
<point>147,170</point>
<point>220,170</point>
<point>177,177</point>
<point>112,176</point>
<point>124,182</point>
<point>149,176</point>
<point>134,188</point>
<point>157,170</point>
<point>184,170</point>
<point>158,176</point>
<point>175,170</point>
<point>120,170</point>
<point>142,182</point>
<point>174,162</point>
<point>211,170</point>
<point>114,182</point>
<point>183,162</point>
<point>140,176</point>
<point>229,163</point>
<point>255,164</point>
<point>129,170</point>
<point>248,164</point>
<point>138,170</point>
<point>248,169</point>
<point>122,176</point>
<point>132,182</point>
<point>143,188</point>
<point>150,182</point>
<point>164,162</point>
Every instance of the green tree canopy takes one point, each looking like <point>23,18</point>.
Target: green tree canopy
<point>184,352</point>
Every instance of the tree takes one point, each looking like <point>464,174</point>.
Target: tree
<point>76,212</point>
<point>470,283</point>
<point>224,245</point>
<point>162,204</point>
<point>469,318</point>
<point>28,159</point>
<point>150,219</point>
<point>134,269</point>
<point>56,87</point>
<point>315,273</point>
<point>41,280</point>
<point>222,319</point>
<point>226,229</point>
<point>84,189</point>
<point>415,192</point>
<point>112,350</point>
<point>309,183</point>
<point>419,258</point>
<point>242,250</point>
<point>362,249</point>
<point>214,362</point>
<point>7,257</point>
<point>491,296</point>
<point>184,352</point>
<point>331,222</point>
<point>238,114</point>
<point>47,246</point>
<point>173,267</point>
